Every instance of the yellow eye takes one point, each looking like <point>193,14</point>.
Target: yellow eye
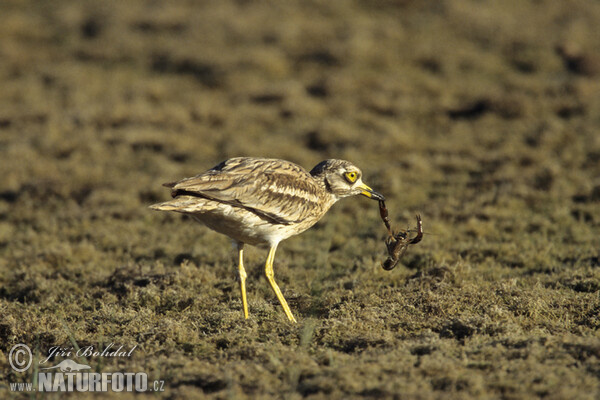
<point>351,176</point>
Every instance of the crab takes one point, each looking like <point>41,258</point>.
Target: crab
<point>398,242</point>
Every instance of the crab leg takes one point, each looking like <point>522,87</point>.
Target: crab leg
<point>383,212</point>
<point>419,236</point>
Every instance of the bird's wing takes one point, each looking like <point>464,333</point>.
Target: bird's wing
<point>278,190</point>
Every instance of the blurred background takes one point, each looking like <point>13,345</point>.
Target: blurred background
<point>484,117</point>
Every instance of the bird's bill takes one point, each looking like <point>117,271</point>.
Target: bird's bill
<point>370,193</point>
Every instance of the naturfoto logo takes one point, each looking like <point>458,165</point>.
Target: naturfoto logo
<point>70,376</point>
<point>69,366</point>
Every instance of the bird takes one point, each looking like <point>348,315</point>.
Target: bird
<point>262,201</point>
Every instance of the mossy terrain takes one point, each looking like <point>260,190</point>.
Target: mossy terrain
<point>484,117</point>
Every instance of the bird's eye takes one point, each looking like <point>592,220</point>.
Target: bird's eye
<point>351,176</point>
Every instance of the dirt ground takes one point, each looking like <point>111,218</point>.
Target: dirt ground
<point>482,116</point>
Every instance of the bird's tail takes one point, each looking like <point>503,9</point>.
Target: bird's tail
<point>166,206</point>
<point>185,204</point>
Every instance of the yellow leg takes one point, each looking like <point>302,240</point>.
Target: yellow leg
<point>243,276</point>
<point>271,277</point>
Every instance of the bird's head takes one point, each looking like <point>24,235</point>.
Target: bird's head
<point>343,179</point>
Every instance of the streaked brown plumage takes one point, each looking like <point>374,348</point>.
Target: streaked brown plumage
<point>264,201</point>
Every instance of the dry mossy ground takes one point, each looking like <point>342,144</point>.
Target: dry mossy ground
<point>482,116</point>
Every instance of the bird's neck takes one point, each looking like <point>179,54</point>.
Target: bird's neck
<point>327,195</point>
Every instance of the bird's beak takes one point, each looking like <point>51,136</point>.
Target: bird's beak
<point>370,193</point>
